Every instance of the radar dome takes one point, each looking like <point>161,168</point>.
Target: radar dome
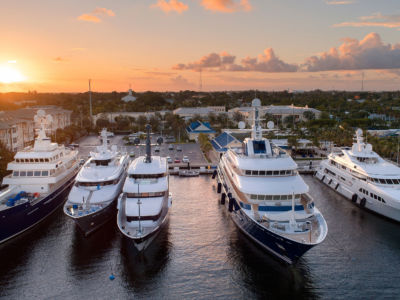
<point>256,102</point>
<point>270,125</point>
<point>241,125</point>
<point>359,131</point>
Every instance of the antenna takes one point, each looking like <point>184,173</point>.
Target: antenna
<point>148,145</point>
<point>90,103</point>
<point>362,81</point>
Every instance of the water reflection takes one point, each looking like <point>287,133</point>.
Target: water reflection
<point>141,268</point>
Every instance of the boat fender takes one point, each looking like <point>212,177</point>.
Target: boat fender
<point>230,206</point>
<point>235,204</point>
<point>223,196</point>
<point>337,186</point>
<point>363,202</point>
<point>219,187</point>
<point>214,174</point>
<point>354,198</point>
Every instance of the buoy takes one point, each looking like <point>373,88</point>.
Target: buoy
<point>354,198</point>
<point>363,202</point>
<point>219,187</point>
<point>112,277</point>
<point>214,174</point>
<point>223,196</point>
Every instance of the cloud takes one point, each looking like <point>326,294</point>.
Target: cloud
<point>368,53</point>
<point>59,59</point>
<point>267,62</point>
<point>172,5</point>
<point>375,20</point>
<point>95,15</point>
<point>339,2</point>
<point>227,6</point>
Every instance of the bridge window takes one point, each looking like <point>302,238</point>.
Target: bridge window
<point>262,173</point>
<point>45,173</point>
<point>259,147</point>
<point>29,173</point>
<point>36,173</point>
<point>16,173</point>
<point>22,173</point>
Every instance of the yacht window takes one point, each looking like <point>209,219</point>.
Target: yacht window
<point>343,167</point>
<point>366,192</point>
<point>46,160</point>
<point>22,173</point>
<point>379,198</point>
<point>382,181</point>
<point>277,197</point>
<point>297,196</point>
<point>282,172</point>
<point>37,173</point>
<point>248,172</point>
<point>261,197</point>
<point>147,176</point>
<point>254,173</point>
<point>41,160</point>
<point>29,173</point>
<point>45,173</point>
<point>269,173</point>
<point>395,181</point>
<point>289,172</point>
<point>389,181</point>
<point>360,190</point>
<point>284,197</point>
<point>103,162</point>
<point>17,160</point>
<point>16,173</point>
<point>253,197</point>
<point>383,200</point>
<point>375,197</point>
<point>36,159</point>
<point>145,195</point>
<point>31,160</point>
<point>259,147</point>
<point>276,172</point>
<point>268,197</point>
<point>262,173</point>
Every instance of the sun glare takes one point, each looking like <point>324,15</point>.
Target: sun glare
<point>10,75</point>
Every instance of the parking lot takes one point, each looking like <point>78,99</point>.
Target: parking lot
<point>191,150</point>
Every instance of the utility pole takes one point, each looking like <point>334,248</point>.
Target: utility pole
<point>90,103</point>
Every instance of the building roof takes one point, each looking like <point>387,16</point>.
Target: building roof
<point>192,110</point>
<point>129,97</point>
<point>221,143</point>
<point>200,127</point>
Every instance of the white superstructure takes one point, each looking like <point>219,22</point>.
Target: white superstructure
<point>145,200</point>
<point>360,174</point>
<point>98,183</point>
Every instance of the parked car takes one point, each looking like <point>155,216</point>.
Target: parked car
<point>170,147</point>
<point>132,154</point>
<point>169,160</point>
<point>157,149</point>
<point>178,148</point>
<point>185,159</point>
<point>177,160</point>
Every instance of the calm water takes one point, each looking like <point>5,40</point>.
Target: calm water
<point>201,254</point>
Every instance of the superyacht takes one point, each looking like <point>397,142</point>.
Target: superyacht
<point>92,200</point>
<point>39,183</point>
<point>145,201</point>
<point>266,197</point>
<point>361,175</point>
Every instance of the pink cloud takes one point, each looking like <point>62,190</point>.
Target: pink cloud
<point>171,5</point>
<point>375,20</point>
<point>93,16</point>
<point>339,2</point>
<point>226,6</point>
<point>352,54</point>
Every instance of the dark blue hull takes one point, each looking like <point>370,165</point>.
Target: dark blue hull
<point>90,223</point>
<point>19,218</point>
<point>287,250</point>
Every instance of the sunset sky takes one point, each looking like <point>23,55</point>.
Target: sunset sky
<point>161,45</point>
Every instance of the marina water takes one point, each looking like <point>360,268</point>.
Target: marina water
<point>202,255</point>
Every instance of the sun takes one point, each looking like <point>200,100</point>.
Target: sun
<point>10,75</point>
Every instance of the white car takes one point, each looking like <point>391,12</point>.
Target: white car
<point>169,160</point>
<point>185,159</point>
<point>157,149</point>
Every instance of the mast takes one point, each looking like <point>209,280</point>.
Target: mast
<point>138,203</point>
<point>148,145</point>
<point>256,133</point>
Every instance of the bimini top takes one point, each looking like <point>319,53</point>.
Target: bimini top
<point>157,165</point>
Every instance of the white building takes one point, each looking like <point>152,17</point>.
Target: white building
<point>110,116</point>
<point>189,112</point>
<point>129,97</point>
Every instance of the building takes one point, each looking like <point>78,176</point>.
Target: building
<point>15,134</point>
<point>110,116</point>
<point>17,127</point>
<point>189,112</point>
<point>195,128</point>
<point>225,141</point>
<point>129,97</point>
<point>280,112</point>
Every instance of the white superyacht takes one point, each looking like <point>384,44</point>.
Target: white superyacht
<point>145,200</point>
<point>361,175</point>
<point>40,180</point>
<point>92,200</point>
<point>266,197</point>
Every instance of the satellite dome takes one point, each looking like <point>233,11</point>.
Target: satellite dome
<point>256,102</point>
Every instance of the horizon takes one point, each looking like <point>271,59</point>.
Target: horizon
<point>200,45</point>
